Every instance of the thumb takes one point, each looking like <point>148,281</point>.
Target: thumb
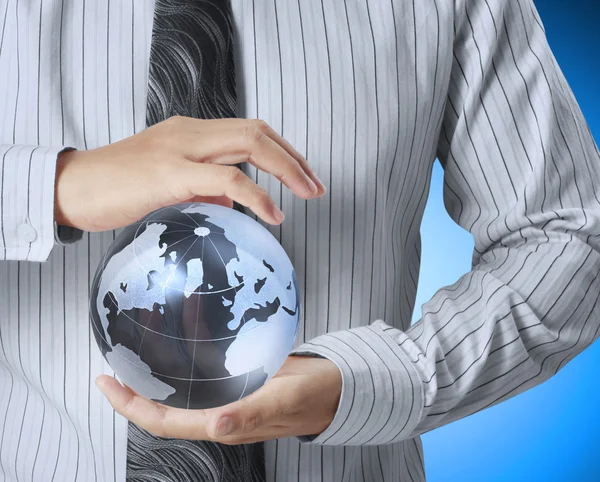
<point>244,416</point>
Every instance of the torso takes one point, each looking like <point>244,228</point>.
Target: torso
<point>349,84</point>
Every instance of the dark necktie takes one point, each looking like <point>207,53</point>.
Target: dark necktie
<point>191,74</point>
<point>191,61</point>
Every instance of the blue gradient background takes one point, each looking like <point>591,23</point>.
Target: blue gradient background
<point>552,432</point>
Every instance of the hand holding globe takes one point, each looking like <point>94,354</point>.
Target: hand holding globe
<point>215,296</point>
<point>178,160</point>
<point>195,306</point>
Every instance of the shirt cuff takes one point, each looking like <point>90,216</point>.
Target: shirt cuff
<point>27,207</point>
<point>382,394</point>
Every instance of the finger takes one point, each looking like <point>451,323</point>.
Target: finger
<point>268,156</point>
<point>262,126</point>
<point>254,142</point>
<point>203,126</point>
<point>261,152</point>
<point>214,180</point>
<point>158,419</point>
<point>297,156</point>
<point>257,415</point>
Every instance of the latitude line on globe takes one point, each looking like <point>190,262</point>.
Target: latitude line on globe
<point>172,377</point>
<point>176,337</point>
<point>161,374</point>
<point>245,385</point>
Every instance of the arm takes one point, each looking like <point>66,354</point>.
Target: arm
<point>522,174</point>
<point>27,179</point>
<point>177,160</point>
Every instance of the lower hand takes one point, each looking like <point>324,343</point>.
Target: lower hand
<point>178,160</point>
<point>301,399</point>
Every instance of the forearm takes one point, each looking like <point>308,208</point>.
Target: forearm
<point>516,320</point>
<point>504,327</point>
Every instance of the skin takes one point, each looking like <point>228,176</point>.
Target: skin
<point>178,160</point>
<point>301,399</point>
<point>181,160</point>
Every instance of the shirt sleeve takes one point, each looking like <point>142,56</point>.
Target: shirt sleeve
<point>27,183</point>
<point>522,174</point>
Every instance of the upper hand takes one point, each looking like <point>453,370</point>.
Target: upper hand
<point>301,399</point>
<point>178,160</point>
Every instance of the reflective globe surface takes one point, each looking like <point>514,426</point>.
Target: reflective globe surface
<point>195,306</point>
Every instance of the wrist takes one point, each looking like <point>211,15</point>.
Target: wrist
<point>62,188</point>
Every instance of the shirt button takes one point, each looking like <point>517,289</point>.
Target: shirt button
<point>26,233</point>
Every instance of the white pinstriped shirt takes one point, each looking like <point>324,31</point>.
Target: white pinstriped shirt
<point>371,91</point>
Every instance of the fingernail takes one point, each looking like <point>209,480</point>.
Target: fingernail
<point>100,384</point>
<point>279,216</point>
<point>310,185</point>
<point>318,181</point>
<point>224,426</point>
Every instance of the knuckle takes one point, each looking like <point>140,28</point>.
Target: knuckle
<point>253,422</point>
<point>254,131</point>
<point>161,428</point>
<point>252,135</point>
<point>170,130</point>
<point>164,138</point>
<point>234,175</point>
<point>290,404</point>
<point>260,193</point>
<point>261,125</point>
<point>127,408</point>
<point>262,196</point>
<point>287,408</point>
<point>211,434</point>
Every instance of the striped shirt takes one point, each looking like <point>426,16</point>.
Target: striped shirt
<point>371,91</point>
